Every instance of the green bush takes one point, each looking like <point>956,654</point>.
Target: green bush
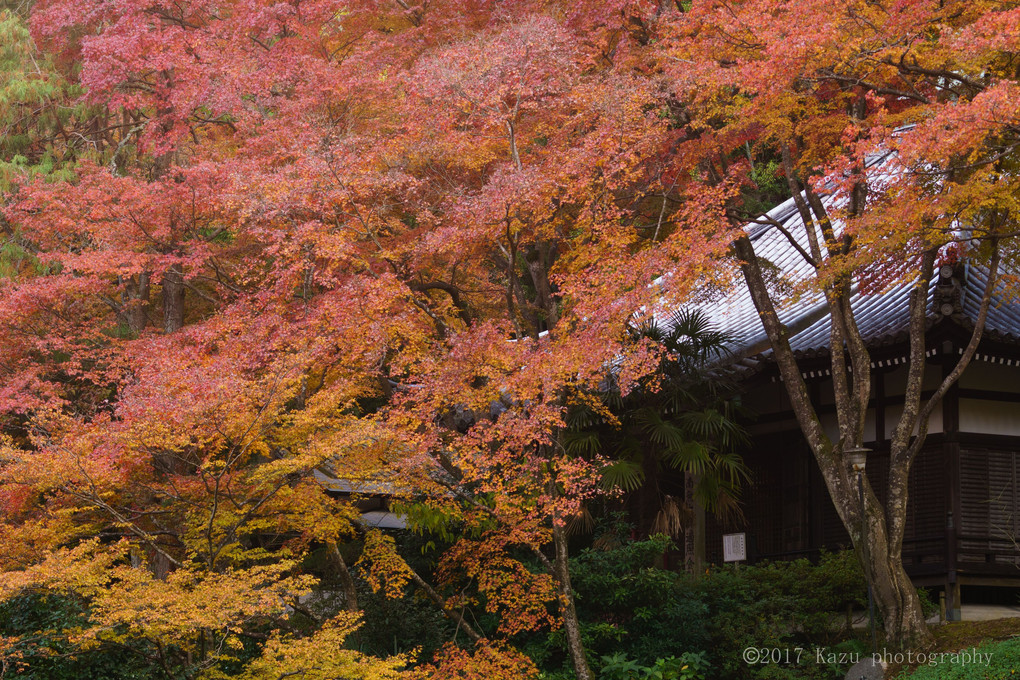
<point>634,613</point>
<point>784,605</point>
<point>390,625</point>
<point>781,605</point>
<point>690,666</point>
<point>44,651</point>
<point>628,606</point>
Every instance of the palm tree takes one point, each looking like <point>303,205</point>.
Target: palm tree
<point>679,422</point>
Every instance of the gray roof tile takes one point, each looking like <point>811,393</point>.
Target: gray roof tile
<point>881,317</point>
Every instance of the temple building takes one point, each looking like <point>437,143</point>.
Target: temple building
<point>964,494</point>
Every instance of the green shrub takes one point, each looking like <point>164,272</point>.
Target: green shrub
<point>634,613</point>
<point>44,651</point>
<point>781,605</point>
<point>390,625</point>
<point>690,666</point>
<point>632,609</point>
<point>629,605</point>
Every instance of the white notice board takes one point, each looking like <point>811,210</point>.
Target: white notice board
<point>734,548</point>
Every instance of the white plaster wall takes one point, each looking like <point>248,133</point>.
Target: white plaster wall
<point>894,411</point>
<point>989,417</point>
<point>896,379</point>
<point>987,376</point>
<point>981,416</point>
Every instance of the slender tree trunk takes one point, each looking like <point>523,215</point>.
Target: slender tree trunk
<point>571,624</point>
<point>136,303</point>
<point>539,259</point>
<point>173,299</point>
<point>899,607</point>
<point>346,580</point>
<point>560,568</point>
<point>895,595</point>
<point>449,612</point>
<point>699,530</point>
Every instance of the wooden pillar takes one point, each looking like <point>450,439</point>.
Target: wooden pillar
<point>699,538</point>
<point>694,534</point>
<point>879,378</point>
<point>951,455</point>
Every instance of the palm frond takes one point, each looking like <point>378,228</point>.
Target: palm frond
<point>665,433</point>
<point>691,336</point>
<point>720,498</point>
<point>585,443</point>
<point>622,474</point>
<point>730,466</point>
<point>581,523</point>
<point>673,517</point>
<point>690,456</point>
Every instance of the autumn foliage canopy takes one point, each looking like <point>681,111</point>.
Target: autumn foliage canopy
<point>252,246</point>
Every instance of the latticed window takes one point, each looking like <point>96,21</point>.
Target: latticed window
<point>989,527</point>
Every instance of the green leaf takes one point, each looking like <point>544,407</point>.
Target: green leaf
<point>623,474</point>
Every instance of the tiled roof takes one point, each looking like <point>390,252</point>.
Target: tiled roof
<point>882,317</point>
